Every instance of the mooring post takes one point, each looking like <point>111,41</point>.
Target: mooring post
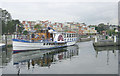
<point>6,40</point>
<point>13,36</point>
<point>115,39</point>
<point>3,38</point>
<point>95,38</point>
<point>30,38</point>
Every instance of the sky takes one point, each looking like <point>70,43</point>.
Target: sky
<point>87,11</point>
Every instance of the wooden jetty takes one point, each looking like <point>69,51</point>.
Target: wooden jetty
<point>106,42</point>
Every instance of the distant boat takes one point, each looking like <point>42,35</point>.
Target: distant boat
<point>46,39</point>
<point>2,45</point>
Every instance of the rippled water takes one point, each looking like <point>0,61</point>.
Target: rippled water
<point>82,58</point>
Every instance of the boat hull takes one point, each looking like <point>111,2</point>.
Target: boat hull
<point>24,46</point>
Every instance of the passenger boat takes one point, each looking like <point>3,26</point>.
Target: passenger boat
<point>45,39</point>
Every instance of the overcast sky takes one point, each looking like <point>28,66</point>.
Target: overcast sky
<point>87,11</point>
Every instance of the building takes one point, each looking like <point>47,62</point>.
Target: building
<point>84,29</point>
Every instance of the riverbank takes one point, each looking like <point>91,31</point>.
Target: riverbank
<point>84,38</point>
<point>105,43</point>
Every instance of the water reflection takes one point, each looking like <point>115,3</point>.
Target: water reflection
<point>108,49</point>
<point>43,58</point>
<point>5,56</point>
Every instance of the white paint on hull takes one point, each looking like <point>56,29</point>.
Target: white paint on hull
<point>34,46</point>
<point>29,46</point>
<point>1,44</point>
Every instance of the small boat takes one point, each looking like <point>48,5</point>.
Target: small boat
<point>45,39</point>
<point>2,45</point>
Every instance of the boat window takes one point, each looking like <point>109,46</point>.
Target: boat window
<point>64,35</point>
<point>67,35</point>
<point>44,44</point>
<point>70,35</point>
<point>51,35</point>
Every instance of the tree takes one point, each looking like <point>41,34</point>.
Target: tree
<point>25,32</point>
<point>10,26</point>
<point>20,28</point>
<point>110,32</point>
<point>102,27</point>
<point>3,27</point>
<point>38,26</point>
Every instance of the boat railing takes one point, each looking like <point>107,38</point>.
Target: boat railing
<point>28,38</point>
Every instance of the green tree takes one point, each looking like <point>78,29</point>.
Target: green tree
<point>38,26</point>
<point>102,27</point>
<point>16,23</point>
<point>3,27</point>
<point>25,32</point>
<point>110,32</point>
<point>10,26</point>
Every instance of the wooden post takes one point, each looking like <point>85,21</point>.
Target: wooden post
<point>2,38</point>
<point>115,39</point>
<point>95,38</point>
<point>30,38</point>
<point>6,40</point>
<point>12,36</point>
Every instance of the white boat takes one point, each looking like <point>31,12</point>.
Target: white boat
<point>53,40</point>
<point>2,45</point>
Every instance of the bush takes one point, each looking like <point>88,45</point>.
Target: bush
<point>25,32</point>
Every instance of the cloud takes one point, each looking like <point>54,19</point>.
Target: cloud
<point>60,0</point>
<point>88,12</point>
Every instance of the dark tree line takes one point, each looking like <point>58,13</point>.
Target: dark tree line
<point>101,27</point>
<point>9,27</point>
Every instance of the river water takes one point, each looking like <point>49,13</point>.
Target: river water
<point>82,58</point>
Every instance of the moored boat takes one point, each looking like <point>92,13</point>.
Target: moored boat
<point>2,45</point>
<point>44,39</point>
